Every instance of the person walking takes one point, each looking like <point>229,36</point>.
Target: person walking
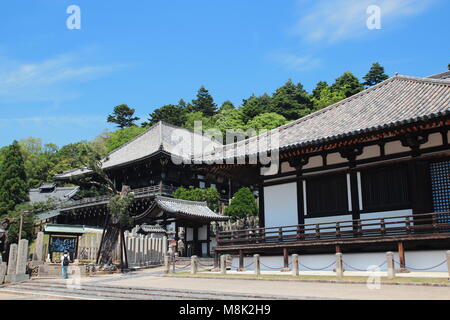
<point>65,261</point>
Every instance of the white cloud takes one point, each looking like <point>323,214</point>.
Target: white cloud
<point>45,80</point>
<point>296,63</point>
<point>336,20</point>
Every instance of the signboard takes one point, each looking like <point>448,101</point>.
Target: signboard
<point>61,244</point>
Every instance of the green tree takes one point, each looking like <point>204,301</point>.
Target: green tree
<point>209,195</point>
<point>327,97</point>
<point>242,205</point>
<point>39,160</point>
<point>375,75</point>
<point>170,113</point>
<point>348,83</point>
<point>229,119</point>
<point>291,101</point>
<point>119,137</point>
<point>123,116</point>
<point>319,87</point>
<point>255,106</point>
<point>204,103</point>
<point>192,117</point>
<point>266,121</point>
<point>227,105</point>
<point>13,179</point>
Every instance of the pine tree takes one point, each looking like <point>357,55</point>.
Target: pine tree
<point>348,83</point>
<point>319,87</point>
<point>123,116</point>
<point>291,101</point>
<point>375,75</point>
<point>204,103</point>
<point>170,113</point>
<point>13,179</point>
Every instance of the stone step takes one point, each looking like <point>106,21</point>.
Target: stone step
<point>96,291</point>
<point>90,293</point>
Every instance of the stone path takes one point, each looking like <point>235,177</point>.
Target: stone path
<point>150,284</point>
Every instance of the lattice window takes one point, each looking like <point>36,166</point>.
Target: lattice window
<point>440,186</point>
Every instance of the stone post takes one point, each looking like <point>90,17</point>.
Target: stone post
<point>339,268</point>
<point>3,268</point>
<point>22,259</point>
<point>38,255</point>
<point>295,265</point>
<point>448,263</point>
<point>166,264</point>
<point>257,264</point>
<point>223,264</point>
<point>12,263</point>
<point>390,265</point>
<point>164,246</point>
<point>194,266</point>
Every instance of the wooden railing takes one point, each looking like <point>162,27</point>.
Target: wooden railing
<point>138,193</point>
<point>431,223</point>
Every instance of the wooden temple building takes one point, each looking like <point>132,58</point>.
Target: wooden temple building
<point>366,175</point>
<point>150,166</point>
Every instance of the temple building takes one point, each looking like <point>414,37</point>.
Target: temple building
<point>366,175</point>
<point>151,165</point>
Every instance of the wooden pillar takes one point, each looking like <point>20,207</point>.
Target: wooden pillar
<point>338,249</point>
<point>241,260</point>
<point>401,254</point>
<point>286,258</point>
<point>261,205</point>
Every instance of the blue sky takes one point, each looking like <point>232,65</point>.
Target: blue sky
<point>59,84</point>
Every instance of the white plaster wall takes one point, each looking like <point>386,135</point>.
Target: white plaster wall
<point>331,220</point>
<point>395,147</point>
<point>314,162</point>
<point>204,249</point>
<point>270,171</point>
<point>362,260</point>
<point>280,205</point>
<point>434,140</point>
<point>335,158</point>
<point>385,214</point>
<point>189,234</point>
<point>369,152</point>
<point>203,233</point>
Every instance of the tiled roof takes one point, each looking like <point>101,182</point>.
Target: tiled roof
<point>160,137</point>
<point>188,208</point>
<point>152,228</point>
<point>46,215</point>
<point>59,194</point>
<point>396,101</point>
<point>442,75</point>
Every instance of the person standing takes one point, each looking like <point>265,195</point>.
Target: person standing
<point>65,261</point>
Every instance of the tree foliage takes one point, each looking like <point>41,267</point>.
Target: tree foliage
<point>375,75</point>
<point>170,113</point>
<point>242,205</point>
<point>203,103</point>
<point>13,179</point>
<point>347,83</point>
<point>326,97</point>
<point>123,116</point>
<point>266,121</point>
<point>119,137</point>
<point>210,195</point>
<point>291,101</point>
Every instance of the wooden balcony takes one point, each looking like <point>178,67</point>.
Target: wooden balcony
<point>150,191</point>
<point>389,229</point>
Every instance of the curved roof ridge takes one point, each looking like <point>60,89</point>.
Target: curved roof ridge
<point>162,198</point>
